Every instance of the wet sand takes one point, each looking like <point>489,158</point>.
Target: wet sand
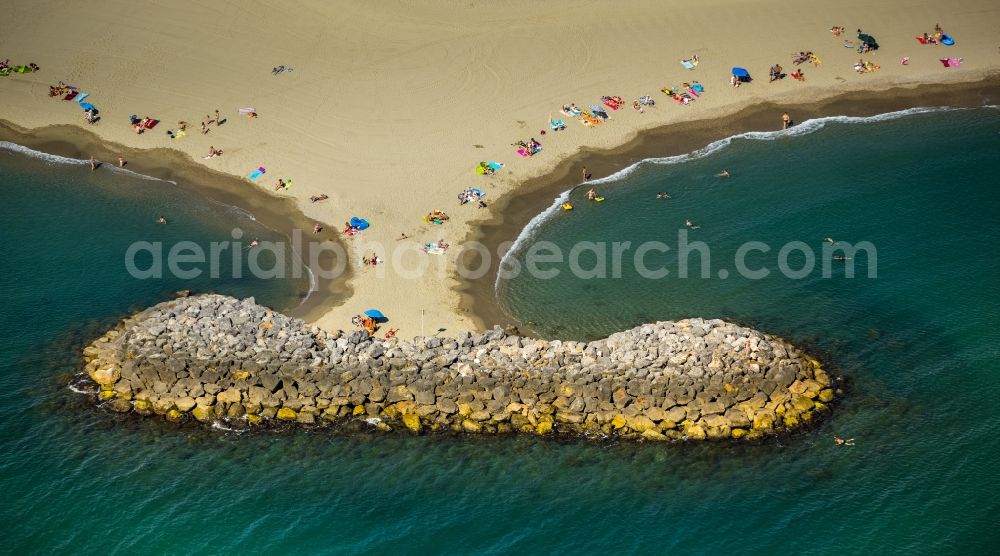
<point>514,211</point>
<point>279,214</point>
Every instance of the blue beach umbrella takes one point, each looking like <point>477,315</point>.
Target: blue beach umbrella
<point>376,314</point>
<point>740,72</point>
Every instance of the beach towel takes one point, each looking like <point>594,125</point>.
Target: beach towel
<point>921,40</point>
<point>698,87</point>
<point>557,124</point>
<point>70,95</point>
<point>492,165</point>
<point>688,64</point>
<point>571,112</point>
<point>257,173</point>
<point>247,111</point>
<point>22,69</point>
<point>598,111</point>
<point>82,96</point>
<point>951,62</point>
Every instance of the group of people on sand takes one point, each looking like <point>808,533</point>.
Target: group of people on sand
<point>932,39</point>
<point>531,148</point>
<point>437,217</point>
<point>366,322</point>
<point>208,120</point>
<point>470,195</point>
<point>141,124</point>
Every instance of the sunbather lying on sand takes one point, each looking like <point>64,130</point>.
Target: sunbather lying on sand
<point>317,198</point>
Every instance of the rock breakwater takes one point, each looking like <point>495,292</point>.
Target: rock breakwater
<point>213,358</point>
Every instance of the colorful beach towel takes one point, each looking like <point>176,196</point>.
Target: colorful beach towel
<point>82,96</point>
<point>495,166</point>
<point>257,173</point>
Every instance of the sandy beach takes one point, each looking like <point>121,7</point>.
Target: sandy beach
<point>389,107</point>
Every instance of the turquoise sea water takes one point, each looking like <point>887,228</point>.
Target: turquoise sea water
<point>919,343</point>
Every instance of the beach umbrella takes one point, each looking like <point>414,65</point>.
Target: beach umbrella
<point>376,314</point>
<point>740,72</point>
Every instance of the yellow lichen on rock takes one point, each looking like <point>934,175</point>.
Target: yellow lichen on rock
<point>411,421</point>
<point>287,414</point>
<point>202,413</point>
<point>543,428</point>
<point>653,434</point>
<point>618,421</point>
<point>695,432</point>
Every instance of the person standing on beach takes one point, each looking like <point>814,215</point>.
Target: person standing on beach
<point>93,163</point>
<point>121,161</point>
<point>586,174</point>
<point>218,118</point>
<point>786,121</point>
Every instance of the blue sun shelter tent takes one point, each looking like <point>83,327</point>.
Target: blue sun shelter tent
<point>359,223</point>
<point>742,74</point>
<point>376,314</point>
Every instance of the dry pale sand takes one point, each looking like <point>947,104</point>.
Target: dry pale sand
<point>392,104</point>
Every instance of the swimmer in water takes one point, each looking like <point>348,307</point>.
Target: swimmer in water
<point>840,258</point>
<point>592,194</point>
<point>841,442</point>
<point>723,174</point>
<point>691,225</point>
<point>254,243</point>
<point>161,220</point>
<point>663,195</point>
<point>828,240</point>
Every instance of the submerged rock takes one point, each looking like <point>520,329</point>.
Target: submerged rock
<point>217,358</point>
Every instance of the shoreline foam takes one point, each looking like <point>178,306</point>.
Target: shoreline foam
<point>529,205</point>
<point>71,144</point>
